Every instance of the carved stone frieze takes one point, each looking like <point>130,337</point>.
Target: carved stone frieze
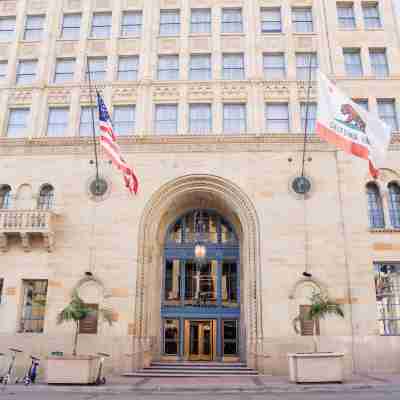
<point>133,4</point>
<point>276,89</point>
<point>128,46</point>
<point>72,4</point>
<point>97,47</point>
<point>85,95</point>
<point>168,45</point>
<point>65,48</point>
<point>167,92</point>
<point>234,91</point>
<point>200,91</point>
<point>124,93</point>
<point>20,96</point>
<point>37,5</point>
<point>29,50</point>
<point>59,95</point>
<point>302,89</point>
<point>8,7</point>
<point>304,43</point>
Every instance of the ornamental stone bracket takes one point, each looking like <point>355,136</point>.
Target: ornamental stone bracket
<point>25,223</point>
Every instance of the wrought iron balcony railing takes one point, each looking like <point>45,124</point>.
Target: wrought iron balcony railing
<point>25,223</point>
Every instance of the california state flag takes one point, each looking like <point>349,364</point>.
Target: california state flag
<point>345,124</point>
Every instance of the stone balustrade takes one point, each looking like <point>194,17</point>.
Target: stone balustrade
<point>26,223</point>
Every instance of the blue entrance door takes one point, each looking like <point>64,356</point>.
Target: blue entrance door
<point>201,289</point>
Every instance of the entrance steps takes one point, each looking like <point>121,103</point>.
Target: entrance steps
<point>193,369</point>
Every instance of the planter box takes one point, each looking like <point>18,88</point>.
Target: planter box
<point>316,367</point>
<point>72,370</point>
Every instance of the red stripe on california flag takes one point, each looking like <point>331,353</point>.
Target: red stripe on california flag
<point>346,145</point>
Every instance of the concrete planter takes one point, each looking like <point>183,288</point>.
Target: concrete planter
<point>316,367</point>
<point>70,369</point>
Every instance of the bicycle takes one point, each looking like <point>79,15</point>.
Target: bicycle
<point>31,373</point>
<point>101,380</point>
<point>5,379</point>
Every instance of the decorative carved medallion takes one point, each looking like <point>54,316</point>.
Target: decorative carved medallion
<point>59,96</point>
<point>20,96</point>
<point>166,92</point>
<point>276,89</point>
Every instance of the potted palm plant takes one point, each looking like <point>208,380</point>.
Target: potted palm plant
<point>317,366</point>
<point>75,368</point>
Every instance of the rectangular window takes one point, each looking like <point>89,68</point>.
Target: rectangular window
<point>372,19</point>
<point>277,117</point>
<point>64,70</point>
<point>1,289</point>
<point>310,115</point>
<point>387,289</point>
<point>271,20</point>
<point>235,118</point>
<point>306,65</point>
<point>346,18</point>
<point>131,23</point>
<point>170,22</point>
<point>33,305</point>
<point>307,325</point>
<point>387,113</point>
<point>71,27</point>
<point>97,68</point>
<point>101,26</point>
<point>200,120</point>
<point>171,337</point>
<point>229,283</point>
<point>363,103</point>
<point>379,63</point>
<point>352,62</point>
<point>230,338</point>
<point>88,325</point>
<point>128,68</point>
<point>85,122</point>
<point>168,68</point>
<point>172,285</point>
<point>7,29</point>
<point>17,122</point>
<point>57,123</point>
<point>124,120</point>
<point>302,19</point>
<point>26,72</point>
<point>233,66</point>
<point>232,21</point>
<point>200,67</point>
<point>274,66</point>
<point>34,26</point>
<point>3,70</point>
<point>166,119</point>
<point>200,21</point>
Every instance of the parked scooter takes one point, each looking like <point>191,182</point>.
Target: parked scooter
<point>5,379</point>
<point>31,373</point>
<point>101,380</point>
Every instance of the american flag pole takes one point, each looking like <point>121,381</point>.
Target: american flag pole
<point>96,158</point>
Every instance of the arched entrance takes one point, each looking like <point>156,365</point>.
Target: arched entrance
<point>167,205</point>
<point>200,303</point>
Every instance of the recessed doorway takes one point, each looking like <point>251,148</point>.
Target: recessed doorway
<point>200,340</point>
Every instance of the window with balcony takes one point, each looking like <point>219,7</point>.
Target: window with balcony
<point>232,20</point>
<point>7,29</point>
<point>387,288</point>
<point>346,17</point>
<point>46,197</point>
<point>85,122</point>
<point>274,66</point>
<point>124,120</point>
<point>308,114</point>
<point>200,67</point>
<point>234,118</point>
<point>71,26</point>
<point>387,113</point>
<point>277,117</point>
<point>17,122</point>
<point>302,19</point>
<point>170,22</point>
<point>306,66</point>
<point>372,18</point>
<point>33,306</point>
<point>233,66</point>
<point>379,62</point>
<point>97,68</point>
<point>271,20</point>
<point>166,122</point>
<point>5,196</point>
<point>200,119</point>
<point>3,70</point>
<point>375,207</point>
<point>200,20</point>
<point>64,71</point>
<point>57,123</point>
<point>128,68</point>
<point>131,25</point>
<point>168,67</point>
<point>26,72</point>
<point>352,62</point>
<point>34,26</point>
<point>101,26</point>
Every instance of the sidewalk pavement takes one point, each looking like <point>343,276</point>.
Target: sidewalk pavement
<point>256,384</point>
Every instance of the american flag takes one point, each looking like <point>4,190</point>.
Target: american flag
<point>110,145</point>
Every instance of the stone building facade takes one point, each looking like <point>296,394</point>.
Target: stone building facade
<point>209,100</point>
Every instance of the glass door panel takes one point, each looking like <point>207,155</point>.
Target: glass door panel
<point>229,283</point>
<point>200,340</point>
<point>171,337</point>
<point>230,338</point>
<point>172,281</point>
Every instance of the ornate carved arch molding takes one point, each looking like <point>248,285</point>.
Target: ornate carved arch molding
<point>149,247</point>
<point>94,280</point>
<point>304,281</point>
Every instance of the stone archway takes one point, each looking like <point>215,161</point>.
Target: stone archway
<point>170,201</point>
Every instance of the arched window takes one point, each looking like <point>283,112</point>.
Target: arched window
<point>375,209</point>
<point>5,196</point>
<point>394,204</point>
<point>46,197</point>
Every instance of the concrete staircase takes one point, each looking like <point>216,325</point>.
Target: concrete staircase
<point>193,369</point>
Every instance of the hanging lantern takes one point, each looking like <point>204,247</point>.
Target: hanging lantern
<point>200,251</point>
